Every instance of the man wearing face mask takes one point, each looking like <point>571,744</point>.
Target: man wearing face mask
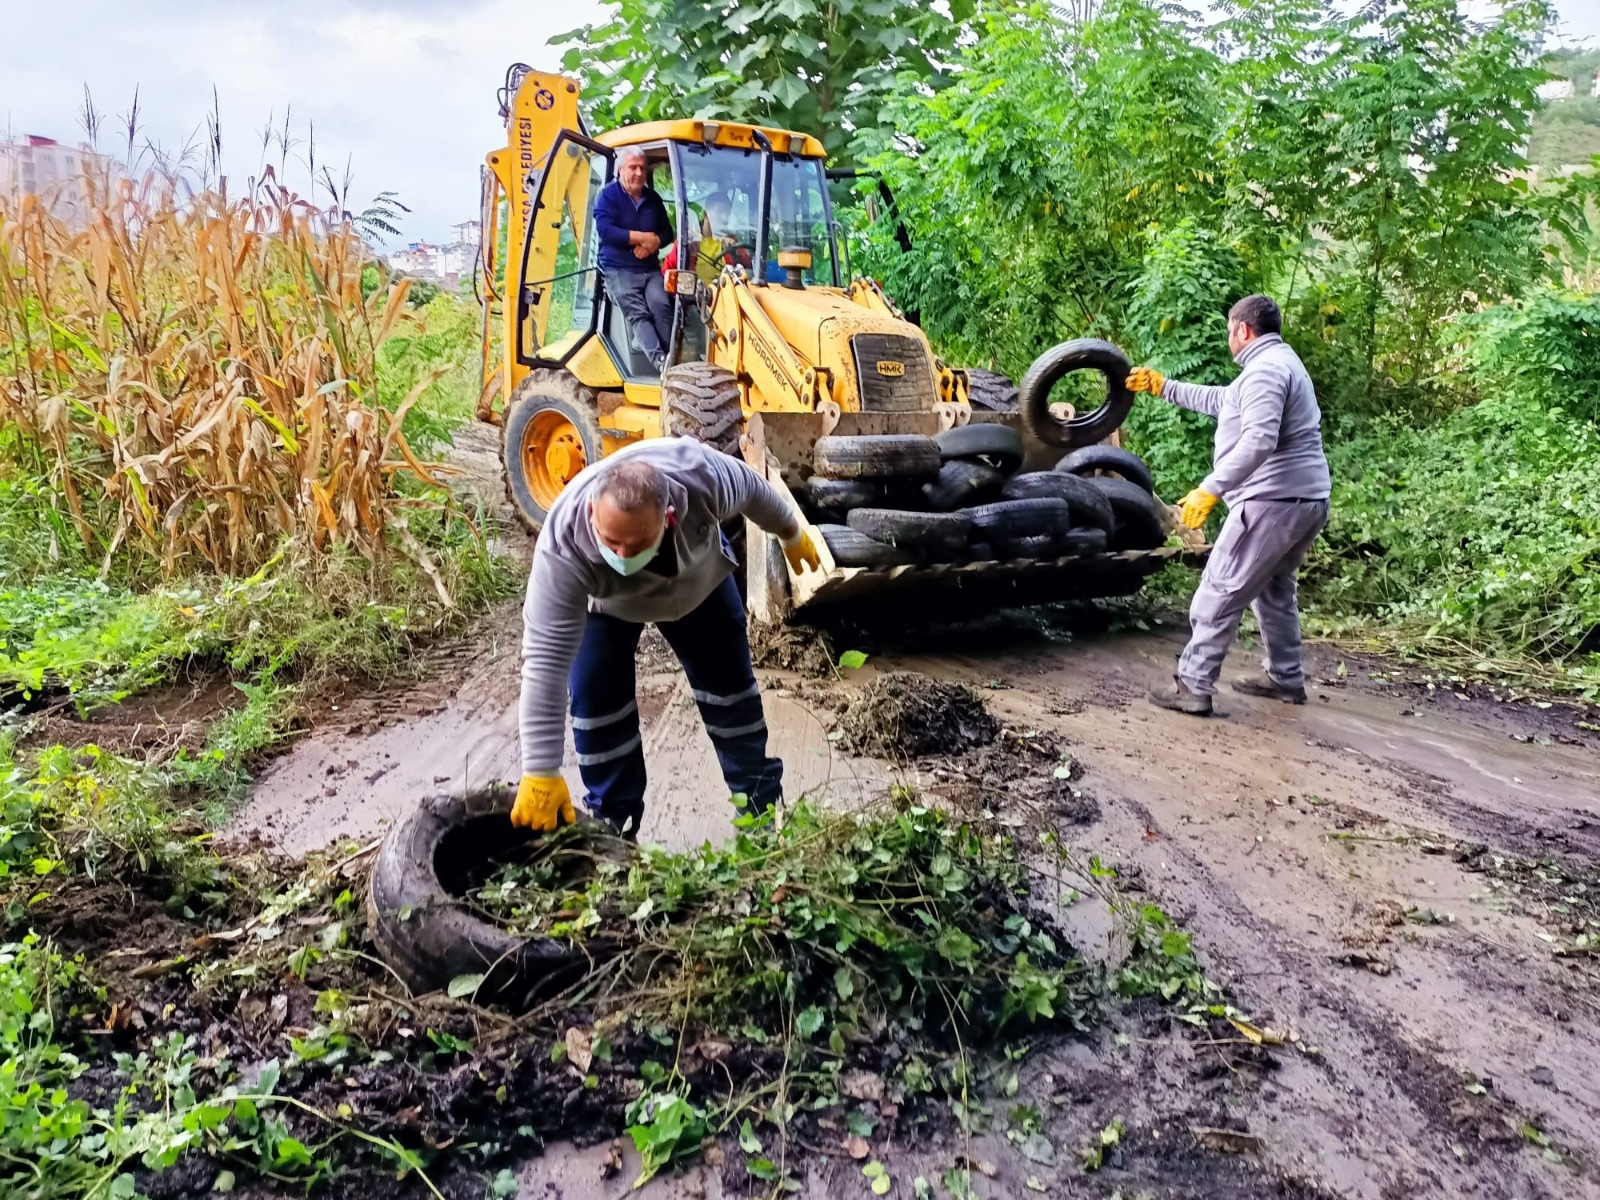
<point>633,540</point>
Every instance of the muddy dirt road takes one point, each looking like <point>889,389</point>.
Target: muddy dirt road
<point>1348,871</point>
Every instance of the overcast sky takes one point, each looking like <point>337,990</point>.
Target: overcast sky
<point>404,87</point>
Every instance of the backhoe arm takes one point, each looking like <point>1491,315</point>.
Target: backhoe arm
<point>748,343</point>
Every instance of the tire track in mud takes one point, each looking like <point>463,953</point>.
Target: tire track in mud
<point>1363,1109</point>
<point>1229,822</point>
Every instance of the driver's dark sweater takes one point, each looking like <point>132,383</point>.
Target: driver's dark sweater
<point>616,215</point>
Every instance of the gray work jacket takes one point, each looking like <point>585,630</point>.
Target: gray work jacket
<point>569,578</point>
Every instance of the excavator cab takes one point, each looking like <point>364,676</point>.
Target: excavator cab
<point>714,196</point>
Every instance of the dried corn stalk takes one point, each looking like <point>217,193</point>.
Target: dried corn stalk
<point>198,373</point>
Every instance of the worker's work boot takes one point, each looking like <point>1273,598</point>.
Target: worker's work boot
<point>1268,688</point>
<point>1180,699</point>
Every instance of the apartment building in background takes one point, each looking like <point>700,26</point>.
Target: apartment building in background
<point>448,266</point>
<point>43,167</point>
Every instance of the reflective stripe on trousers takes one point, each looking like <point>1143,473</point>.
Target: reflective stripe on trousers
<point>712,645</point>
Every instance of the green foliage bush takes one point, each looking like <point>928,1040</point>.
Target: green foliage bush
<point>1485,528</point>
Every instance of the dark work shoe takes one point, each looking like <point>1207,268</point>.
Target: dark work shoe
<point>1268,688</point>
<point>1180,699</point>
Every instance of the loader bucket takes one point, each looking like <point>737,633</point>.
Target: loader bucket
<point>782,445</point>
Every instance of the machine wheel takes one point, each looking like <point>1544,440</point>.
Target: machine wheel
<point>998,446</point>
<point>876,456</point>
<point>701,401</point>
<point>852,549</point>
<point>1139,525</point>
<point>1083,541</point>
<point>1108,458</point>
<point>1008,520</point>
<point>961,484</point>
<point>551,432</point>
<point>942,533</point>
<point>991,390</point>
<point>1089,505</point>
<point>1054,365</point>
<point>429,935</point>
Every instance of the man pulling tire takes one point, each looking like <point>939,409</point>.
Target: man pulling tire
<point>636,539</point>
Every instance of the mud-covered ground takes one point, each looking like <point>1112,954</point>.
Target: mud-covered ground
<point>1401,879</point>
<point>1401,875</point>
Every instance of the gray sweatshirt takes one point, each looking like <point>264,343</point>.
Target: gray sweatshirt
<point>569,578</point>
<point>1269,427</point>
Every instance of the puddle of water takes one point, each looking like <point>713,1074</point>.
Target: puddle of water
<point>332,786</point>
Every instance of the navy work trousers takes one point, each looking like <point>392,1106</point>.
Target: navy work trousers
<point>712,644</point>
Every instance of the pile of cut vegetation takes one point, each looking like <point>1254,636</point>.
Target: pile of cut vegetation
<point>904,714</point>
<point>832,926</point>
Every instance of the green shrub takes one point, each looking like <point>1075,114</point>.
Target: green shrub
<point>1484,528</point>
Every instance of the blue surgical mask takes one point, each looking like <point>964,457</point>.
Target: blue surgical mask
<point>634,563</point>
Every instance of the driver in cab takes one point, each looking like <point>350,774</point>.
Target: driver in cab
<point>633,224</point>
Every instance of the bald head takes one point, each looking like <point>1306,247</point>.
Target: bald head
<point>629,508</point>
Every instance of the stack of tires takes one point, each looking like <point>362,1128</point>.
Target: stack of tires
<point>961,496</point>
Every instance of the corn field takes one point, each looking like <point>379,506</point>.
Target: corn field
<point>193,375</point>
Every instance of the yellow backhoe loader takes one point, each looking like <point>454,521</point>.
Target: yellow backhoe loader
<point>773,344</point>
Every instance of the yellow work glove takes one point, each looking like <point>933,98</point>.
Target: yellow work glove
<point>1146,379</point>
<point>1195,508</point>
<point>543,802</point>
<point>802,553</point>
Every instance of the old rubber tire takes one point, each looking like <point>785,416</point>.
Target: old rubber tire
<point>998,446</point>
<point>1008,520</point>
<point>937,533</point>
<point>701,401</point>
<point>841,495</point>
<point>1092,459</point>
<point>429,936</point>
<point>962,483</point>
<point>852,549</point>
<point>1054,365</point>
<point>1043,545</point>
<point>876,456</point>
<point>1082,541</point>
<point>1138,522</point>
<point>1089,505</point>
<point>551,432</point>
<point>991,390</point>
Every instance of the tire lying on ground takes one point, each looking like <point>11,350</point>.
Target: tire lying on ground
<point>1089,505</point>
<point>852,549</point>
<point>1012,519</point>
<point>962,483</point>
<point>1107,458</point>
<point>429,935</point>
<point>937,533</point>
<point>1053,366</point>
<point>876,456</point>
<point>998,446</point>
<point>991,390</point>
<point>1138,521</point>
